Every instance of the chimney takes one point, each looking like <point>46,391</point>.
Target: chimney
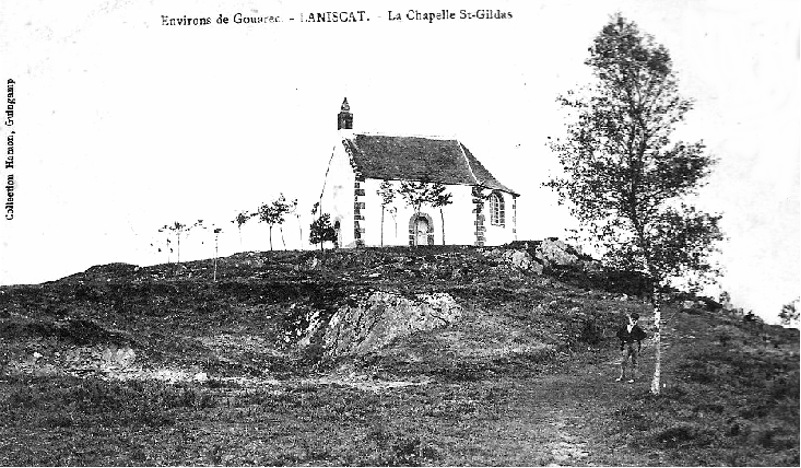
<point>345,118</point>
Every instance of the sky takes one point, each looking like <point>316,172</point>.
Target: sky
<point>123,124</point>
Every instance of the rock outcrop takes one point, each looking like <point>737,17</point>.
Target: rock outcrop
<point>382,317</point>
<point>555,252</point>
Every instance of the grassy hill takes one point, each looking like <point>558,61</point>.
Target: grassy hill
<point>122,365</point>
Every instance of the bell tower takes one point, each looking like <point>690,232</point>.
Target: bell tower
<point>345,118</point>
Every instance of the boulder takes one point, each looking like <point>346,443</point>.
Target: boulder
<point>118,357</point>
<point>553,252</point>
<point>522,260</point>
<point>519,259</point>
<point>201,377</point>
<point>380,318</point>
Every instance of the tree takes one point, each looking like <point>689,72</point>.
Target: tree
<point>163,244</point>
<point>439,199</point>
<point>423,192</point>
<point>273,213</point>
<point>321,231</point>
<point>416,194</point>
<point>177,229</point>
<point>240,219</point>
<point>294,211</point>
<point>387,194</point>
<point>789,315</point>
<point>216,231</point>
<point>625,178</point>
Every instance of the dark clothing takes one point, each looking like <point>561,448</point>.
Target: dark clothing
<point>630,342</point>
<point>629,353</point>
<point>636,334</point>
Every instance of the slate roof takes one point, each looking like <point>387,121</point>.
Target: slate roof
<point>416,158</point>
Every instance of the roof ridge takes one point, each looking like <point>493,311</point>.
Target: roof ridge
<point>467,160</point>
<point>427,137</point>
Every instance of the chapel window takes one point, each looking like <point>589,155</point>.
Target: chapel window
<point>497,209</point>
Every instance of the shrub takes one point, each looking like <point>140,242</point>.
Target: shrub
<point>683,435</point>
<point>591,333</point>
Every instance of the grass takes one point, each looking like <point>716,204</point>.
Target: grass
<point>524,378</point>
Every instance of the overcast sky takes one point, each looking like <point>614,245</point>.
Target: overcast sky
<point>123,124</point>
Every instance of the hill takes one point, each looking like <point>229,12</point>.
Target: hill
<point>396,356</point>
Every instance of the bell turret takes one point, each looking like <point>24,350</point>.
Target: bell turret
<point>345,118</point>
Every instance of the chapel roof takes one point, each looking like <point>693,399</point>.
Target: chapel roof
<point>418,158</point>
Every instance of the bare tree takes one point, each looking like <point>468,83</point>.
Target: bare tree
<point>387,193</point>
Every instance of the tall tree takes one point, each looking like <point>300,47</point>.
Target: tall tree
<point>387,193</point>
<point>626,179</point>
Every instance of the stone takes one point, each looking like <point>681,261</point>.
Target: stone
<point>201,377</point>
<point>382,317</point>
<point>520,259</point>
<point>555,252</point>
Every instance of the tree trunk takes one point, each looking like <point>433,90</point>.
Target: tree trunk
<point>179,250</point>
<point>300,233</point>
<point>281,229</point>
<point>216,254</point>
<point>656,381</point>
<point>442,217</point>
<point>271,238</point>
<point>382,225</point>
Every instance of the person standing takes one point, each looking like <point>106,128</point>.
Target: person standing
<point>631,336</point>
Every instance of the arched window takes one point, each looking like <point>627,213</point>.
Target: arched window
<point>497,209</point>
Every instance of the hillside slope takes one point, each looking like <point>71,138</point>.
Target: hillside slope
<point>441,355</point>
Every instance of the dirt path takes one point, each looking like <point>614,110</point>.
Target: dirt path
<point>565,411</point>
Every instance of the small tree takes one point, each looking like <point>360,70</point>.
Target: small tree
<point>294,211</point>
<point>240,219</point>
<point>321,231</point>
<point>163,244</point>
<point>789,315</point>
<point>394,213</point>
<point>423,192</point>
<point>624,176</point>
<point>439,199</point>
<point>176,230</point>
<point>274,213</point>
<point>387,193</point>
<point>416,193</point>
<point>216,231</point>
<point>289,207</point>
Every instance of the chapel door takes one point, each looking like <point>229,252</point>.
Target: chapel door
<point>422,231</point>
